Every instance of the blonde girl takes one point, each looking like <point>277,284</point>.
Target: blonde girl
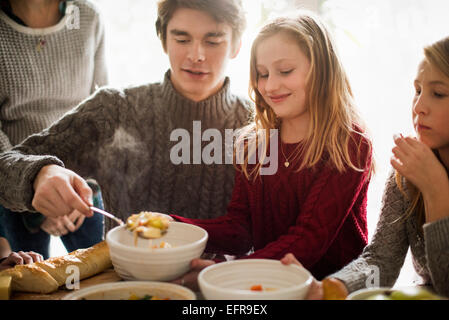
<point>314,204</point>
<point>415,212</point>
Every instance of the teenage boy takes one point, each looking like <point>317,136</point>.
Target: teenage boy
<point>123,140</point>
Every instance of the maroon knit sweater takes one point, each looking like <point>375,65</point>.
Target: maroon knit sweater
<point>318,214</point>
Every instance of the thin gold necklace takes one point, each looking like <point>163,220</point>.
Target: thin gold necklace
<point>286,163</point>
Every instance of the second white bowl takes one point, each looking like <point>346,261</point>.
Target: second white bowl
<point>233,280</point>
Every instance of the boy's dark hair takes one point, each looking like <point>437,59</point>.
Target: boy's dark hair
<point>222,11</point>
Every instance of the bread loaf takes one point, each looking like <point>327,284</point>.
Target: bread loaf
<point>48,275</point>
<point>30,278</point>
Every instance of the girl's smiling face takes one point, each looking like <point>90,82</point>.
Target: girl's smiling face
<point>282,70</point>
<point>431,107</point>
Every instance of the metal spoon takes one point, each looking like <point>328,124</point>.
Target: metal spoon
<point>107,214</point>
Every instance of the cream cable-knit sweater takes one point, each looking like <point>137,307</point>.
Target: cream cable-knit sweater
<point>383,258</point>
<point>121,138</point>
<point>38,86</point>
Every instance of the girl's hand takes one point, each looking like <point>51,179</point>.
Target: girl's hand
<point>328,289</point>
<point>190,279</point>
<point>417,163</point>
<point>316,288</point>
<point>20,258</point>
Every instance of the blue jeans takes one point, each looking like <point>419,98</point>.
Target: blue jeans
<point>21,239</point>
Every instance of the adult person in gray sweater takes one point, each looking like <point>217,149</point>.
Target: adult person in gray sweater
<point>52,57</point>
<point>415,211</point>
<point>123,138</point>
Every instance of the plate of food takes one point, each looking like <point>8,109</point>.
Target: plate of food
<point>133,290</point>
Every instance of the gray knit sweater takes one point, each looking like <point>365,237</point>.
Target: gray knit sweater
<point>38,86</point>
<point>121,138</point>
<point>390,244</point>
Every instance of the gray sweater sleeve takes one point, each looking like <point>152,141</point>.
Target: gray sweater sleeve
<point>381,261</point>
<point>436,237</point>
<point>71,142</point>
<point>5,144</point>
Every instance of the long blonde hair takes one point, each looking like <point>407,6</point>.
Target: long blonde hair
<point>333,117</point>
<point>437,54</point>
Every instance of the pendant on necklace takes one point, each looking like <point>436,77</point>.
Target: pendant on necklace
<point>286,164</point>
<point>40,44</point>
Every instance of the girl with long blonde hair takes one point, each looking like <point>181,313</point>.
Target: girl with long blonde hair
<point>314,203</point>
<point>332,120</point>
<point>415,211</point>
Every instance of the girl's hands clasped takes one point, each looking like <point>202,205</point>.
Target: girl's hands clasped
<point>417,163</point>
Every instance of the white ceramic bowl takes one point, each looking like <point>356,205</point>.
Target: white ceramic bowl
<point>233,280</point>
<point>124,290</point>
<point>141,262</point>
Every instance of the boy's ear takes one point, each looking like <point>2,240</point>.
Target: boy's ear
<point>236,49</point>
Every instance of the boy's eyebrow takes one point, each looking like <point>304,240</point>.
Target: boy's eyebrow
<point>177,32</point>
<point>216,34</point>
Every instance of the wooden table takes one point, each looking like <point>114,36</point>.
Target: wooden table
<point>106,276</point>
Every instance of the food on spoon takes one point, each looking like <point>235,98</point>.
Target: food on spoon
<point>148,225</point>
